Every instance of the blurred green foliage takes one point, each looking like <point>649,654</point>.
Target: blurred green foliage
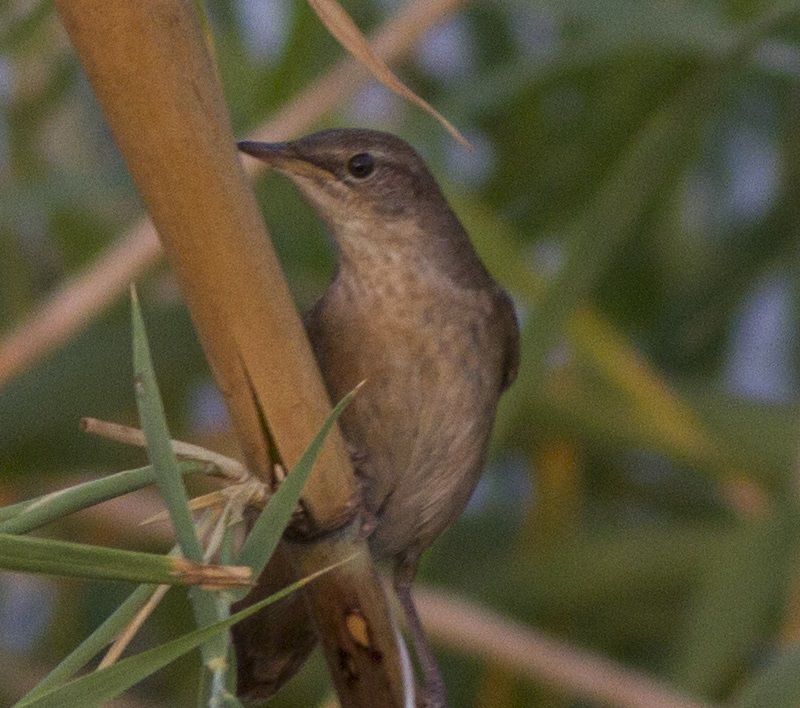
<point>636,186</point>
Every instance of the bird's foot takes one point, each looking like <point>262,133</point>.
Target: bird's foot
<point>359,459</point>
<point>433,695</point>
<point>368,523</point>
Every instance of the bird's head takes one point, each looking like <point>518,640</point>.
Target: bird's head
<point>379,200</point>
<point>353,175</point>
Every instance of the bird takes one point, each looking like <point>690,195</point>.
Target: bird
<point>412,311</point>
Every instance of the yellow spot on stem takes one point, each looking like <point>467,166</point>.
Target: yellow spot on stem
<point>358,628</point>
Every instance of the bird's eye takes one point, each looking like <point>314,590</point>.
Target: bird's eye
<point>361,165</point>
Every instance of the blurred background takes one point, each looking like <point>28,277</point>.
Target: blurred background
<point>635,184</point>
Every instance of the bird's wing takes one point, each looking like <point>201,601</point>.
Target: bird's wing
<point>510,330</point>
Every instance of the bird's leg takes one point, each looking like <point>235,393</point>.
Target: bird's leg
<point>434,690</point>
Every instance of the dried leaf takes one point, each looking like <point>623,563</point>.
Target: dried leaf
<point>342,27</point>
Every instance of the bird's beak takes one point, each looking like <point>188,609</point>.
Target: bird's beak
<point>274,154</point>
<point>283,157</point>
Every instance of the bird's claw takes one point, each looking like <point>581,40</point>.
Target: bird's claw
<point>432,696</point>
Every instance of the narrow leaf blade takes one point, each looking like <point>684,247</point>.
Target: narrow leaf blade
<point>268,528</point>
<point>34,513</point>
<point>159,444</point>
<point>44,555</point>
<point>94,643</point>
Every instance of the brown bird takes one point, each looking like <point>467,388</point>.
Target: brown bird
<point>413,312</point>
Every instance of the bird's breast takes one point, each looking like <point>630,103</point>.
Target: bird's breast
<point>422,420</point>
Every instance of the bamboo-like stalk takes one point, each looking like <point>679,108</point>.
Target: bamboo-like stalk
<point>151,72</point>
<point>167,113</point>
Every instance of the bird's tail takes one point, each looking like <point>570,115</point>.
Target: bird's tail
<point>275,642</point>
